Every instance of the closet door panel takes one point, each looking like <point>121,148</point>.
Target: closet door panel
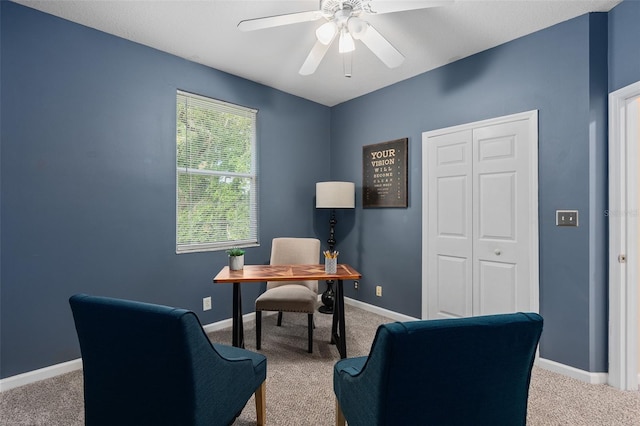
<point>450,226</point>
<point>501,218</point>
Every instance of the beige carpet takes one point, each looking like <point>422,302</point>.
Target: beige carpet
<point>299,385</point>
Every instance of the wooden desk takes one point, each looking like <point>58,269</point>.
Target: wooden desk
<point>263,273</point>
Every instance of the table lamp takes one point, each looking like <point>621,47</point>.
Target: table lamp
<point>333,195</point>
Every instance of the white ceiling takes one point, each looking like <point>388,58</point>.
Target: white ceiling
<point>204,31</point>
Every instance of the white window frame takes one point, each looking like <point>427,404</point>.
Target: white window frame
<point>252,176</point>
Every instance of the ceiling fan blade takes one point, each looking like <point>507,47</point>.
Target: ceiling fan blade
<point>314,58</point>
<point>278,20</point>
<point>381,47</point>
<point>390,6</point>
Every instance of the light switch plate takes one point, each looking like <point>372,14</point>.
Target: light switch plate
<point>566,217</point>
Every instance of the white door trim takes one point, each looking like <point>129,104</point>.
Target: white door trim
<point>623,240</point>
<point>532,117</point>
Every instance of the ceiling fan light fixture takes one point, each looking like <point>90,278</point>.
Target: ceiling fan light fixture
<point>357,27</point>
<point>346,43</point>
<point>343,17</point>
<point>326,32</point>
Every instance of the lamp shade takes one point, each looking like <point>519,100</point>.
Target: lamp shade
<point>335,195</point>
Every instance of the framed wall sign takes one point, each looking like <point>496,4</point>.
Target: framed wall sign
<point>384,174</point>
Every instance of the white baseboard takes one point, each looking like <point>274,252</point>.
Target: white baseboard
<point>40,374</point>
<point>247,320</point>
<point>76,364</point>
<point>576,373</point>
<point>556,367</point>
<point>378,310</point>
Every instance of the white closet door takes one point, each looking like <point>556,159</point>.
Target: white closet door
<point>501,218</point>
<point>450,226</point>
<point>480,218</point>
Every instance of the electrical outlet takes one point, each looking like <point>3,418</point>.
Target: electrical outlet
<point>355,284</point>
<point>206,303</point>
<point>379,290</point>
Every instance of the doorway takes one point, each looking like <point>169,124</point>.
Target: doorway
<point>480,218</point>
<point>624,237</point>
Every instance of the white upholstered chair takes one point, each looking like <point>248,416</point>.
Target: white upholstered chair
<point>290,296</point>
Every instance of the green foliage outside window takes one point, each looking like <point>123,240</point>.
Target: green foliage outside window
<point>216,174</point>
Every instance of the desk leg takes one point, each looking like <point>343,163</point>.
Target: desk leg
<point>334,321</point>
<point>237,326</point>
<point>338,334</point>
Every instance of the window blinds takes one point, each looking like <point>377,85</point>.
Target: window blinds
<point>216,174</point>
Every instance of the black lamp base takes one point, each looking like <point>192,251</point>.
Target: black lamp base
<point>327,299</point>
<point>325,309</point>
<point>328,296</point>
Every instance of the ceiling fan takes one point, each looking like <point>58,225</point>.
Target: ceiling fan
<point>344,19</point>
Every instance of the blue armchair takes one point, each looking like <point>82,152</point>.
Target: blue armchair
<point>148,364</point>
<point>465,371</point>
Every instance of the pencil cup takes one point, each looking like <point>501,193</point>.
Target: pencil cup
<point>330,265</point>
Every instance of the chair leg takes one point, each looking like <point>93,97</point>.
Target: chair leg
<point>279,318</point>
<point>340,420</point>
<point>261,404</point>
<point>258,329</point>
<point>310,326</point>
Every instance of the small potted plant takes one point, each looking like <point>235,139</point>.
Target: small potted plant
<point>236,258</point>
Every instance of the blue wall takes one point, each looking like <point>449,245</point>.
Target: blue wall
<point>624,47</point>
<point>87,174</point>
<point>560,71</point>
<point>88,179</point>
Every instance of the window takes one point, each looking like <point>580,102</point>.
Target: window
<point>216,174</point>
